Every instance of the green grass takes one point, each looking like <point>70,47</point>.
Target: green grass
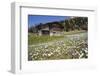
<point>34,39</point>
<point>74,32</point>
<point>65,48</point>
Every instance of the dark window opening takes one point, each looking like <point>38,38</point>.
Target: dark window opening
<point>45,32</point>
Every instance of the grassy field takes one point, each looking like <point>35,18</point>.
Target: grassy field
<point>35,39</point>
<point>73,32</point>
<point>72,45</point>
